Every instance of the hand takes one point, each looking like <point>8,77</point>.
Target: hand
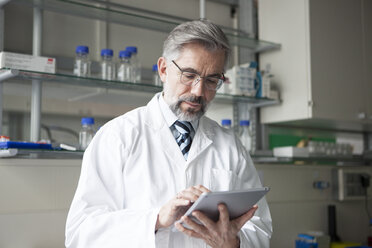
<point>178,206</point>
<point>223,233</point>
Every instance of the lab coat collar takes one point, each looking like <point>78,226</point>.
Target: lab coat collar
<point>202,140</point>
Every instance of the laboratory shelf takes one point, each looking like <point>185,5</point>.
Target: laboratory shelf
<point>135,17</point>
<point>93,82</point>
<point>40,154</point>
<point>356,160</point>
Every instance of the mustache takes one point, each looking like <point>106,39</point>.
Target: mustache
<point>193,99</point>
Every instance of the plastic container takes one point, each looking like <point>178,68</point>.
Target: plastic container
<point>125,67</point>
<point>245,135</point>
<point>136,65</point>
<point>305,241</point>
<point>82,62</point>
<point>107,64</point>
<point>155,77</point>
<point>226,123</point>
<point>86,133</point>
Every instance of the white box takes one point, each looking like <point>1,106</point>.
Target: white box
<point>291,151</point>
<point>27,62</point>
<point>241,81</point>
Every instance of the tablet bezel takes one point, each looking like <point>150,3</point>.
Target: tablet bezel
<point>237,202</point>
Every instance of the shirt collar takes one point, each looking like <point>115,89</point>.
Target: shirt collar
<point>169,116</point>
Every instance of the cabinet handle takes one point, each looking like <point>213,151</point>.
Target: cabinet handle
<point>362,116</point>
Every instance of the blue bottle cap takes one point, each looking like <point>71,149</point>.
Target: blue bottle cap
<point>253,64</point>
<point>82,49</point>
<point>226,122</point>
<point>244,123</point>
<point>124,54</point>
<point>107,52</point>
<point>131,49</point>
<point>87,121</point>
<point>154,67</point>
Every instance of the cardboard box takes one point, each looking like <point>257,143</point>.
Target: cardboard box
<point>27,62</point>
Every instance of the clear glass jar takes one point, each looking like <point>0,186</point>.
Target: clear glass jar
<point>107,64</point>
<point>125,67</point>
<point>155,76</point>
<point>82,62</point>
<point>136,65</point>
<point>86,133</point>
<point>245,135</point>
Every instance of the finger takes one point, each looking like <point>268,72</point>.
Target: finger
<point>202,188</point>
<point>186,231</point>
<point>193,225</point>
<point>224,213</point>
<point>176,203</point>
<point>208,223</point>
<point>191,195</point>
<point>240,221</point>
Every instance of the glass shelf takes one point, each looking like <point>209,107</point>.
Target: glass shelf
<point>335,161</point>
<point>113,84</point>
<point>43,154</point>
<point>121,14</point>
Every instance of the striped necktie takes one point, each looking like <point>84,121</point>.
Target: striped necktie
<point>183,138</point>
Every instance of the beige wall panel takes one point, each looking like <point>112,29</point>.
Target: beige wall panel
<point>33,230</point>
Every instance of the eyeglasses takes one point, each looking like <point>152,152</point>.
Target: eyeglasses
<point>192,78</point>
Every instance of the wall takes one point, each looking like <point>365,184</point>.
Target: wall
<point>297,207</point>
<point>36,194</point>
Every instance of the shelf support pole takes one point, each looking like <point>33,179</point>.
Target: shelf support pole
<point>4,75</point>
<point>202,9</point>
<point>36,84</point>
<point>2,29</point>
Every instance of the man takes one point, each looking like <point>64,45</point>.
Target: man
<point>145,168</point>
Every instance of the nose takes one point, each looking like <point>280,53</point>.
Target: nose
<point>197,87</point>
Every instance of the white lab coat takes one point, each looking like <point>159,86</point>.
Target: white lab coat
<point>133,166</point>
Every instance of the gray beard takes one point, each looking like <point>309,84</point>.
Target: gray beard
<point>189,114</point>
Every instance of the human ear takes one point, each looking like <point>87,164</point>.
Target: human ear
<point>162,69</point>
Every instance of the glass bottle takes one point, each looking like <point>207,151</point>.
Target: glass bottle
<point>245,135</point>
<point>155,77</point>
<point>82,62</point>
<point>86,133</point>
<point>226,123</point>
<point>135,63</point>
<point>125,67</point>
<point>107,64</point>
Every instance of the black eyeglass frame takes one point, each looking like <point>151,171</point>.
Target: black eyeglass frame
<point>221,80</point>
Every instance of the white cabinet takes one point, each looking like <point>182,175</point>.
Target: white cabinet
<point>323,68</point>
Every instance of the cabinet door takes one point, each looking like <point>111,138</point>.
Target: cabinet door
<point>367,21</point>
<point>286,22</point>
<point>336,38</point>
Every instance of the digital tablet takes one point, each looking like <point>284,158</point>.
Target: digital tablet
<point>237,202</point>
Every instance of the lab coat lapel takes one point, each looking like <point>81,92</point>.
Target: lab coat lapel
<point>202,140</point>
<point>155,120</point>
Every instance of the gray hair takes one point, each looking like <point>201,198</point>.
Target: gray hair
<point>202,32</point>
